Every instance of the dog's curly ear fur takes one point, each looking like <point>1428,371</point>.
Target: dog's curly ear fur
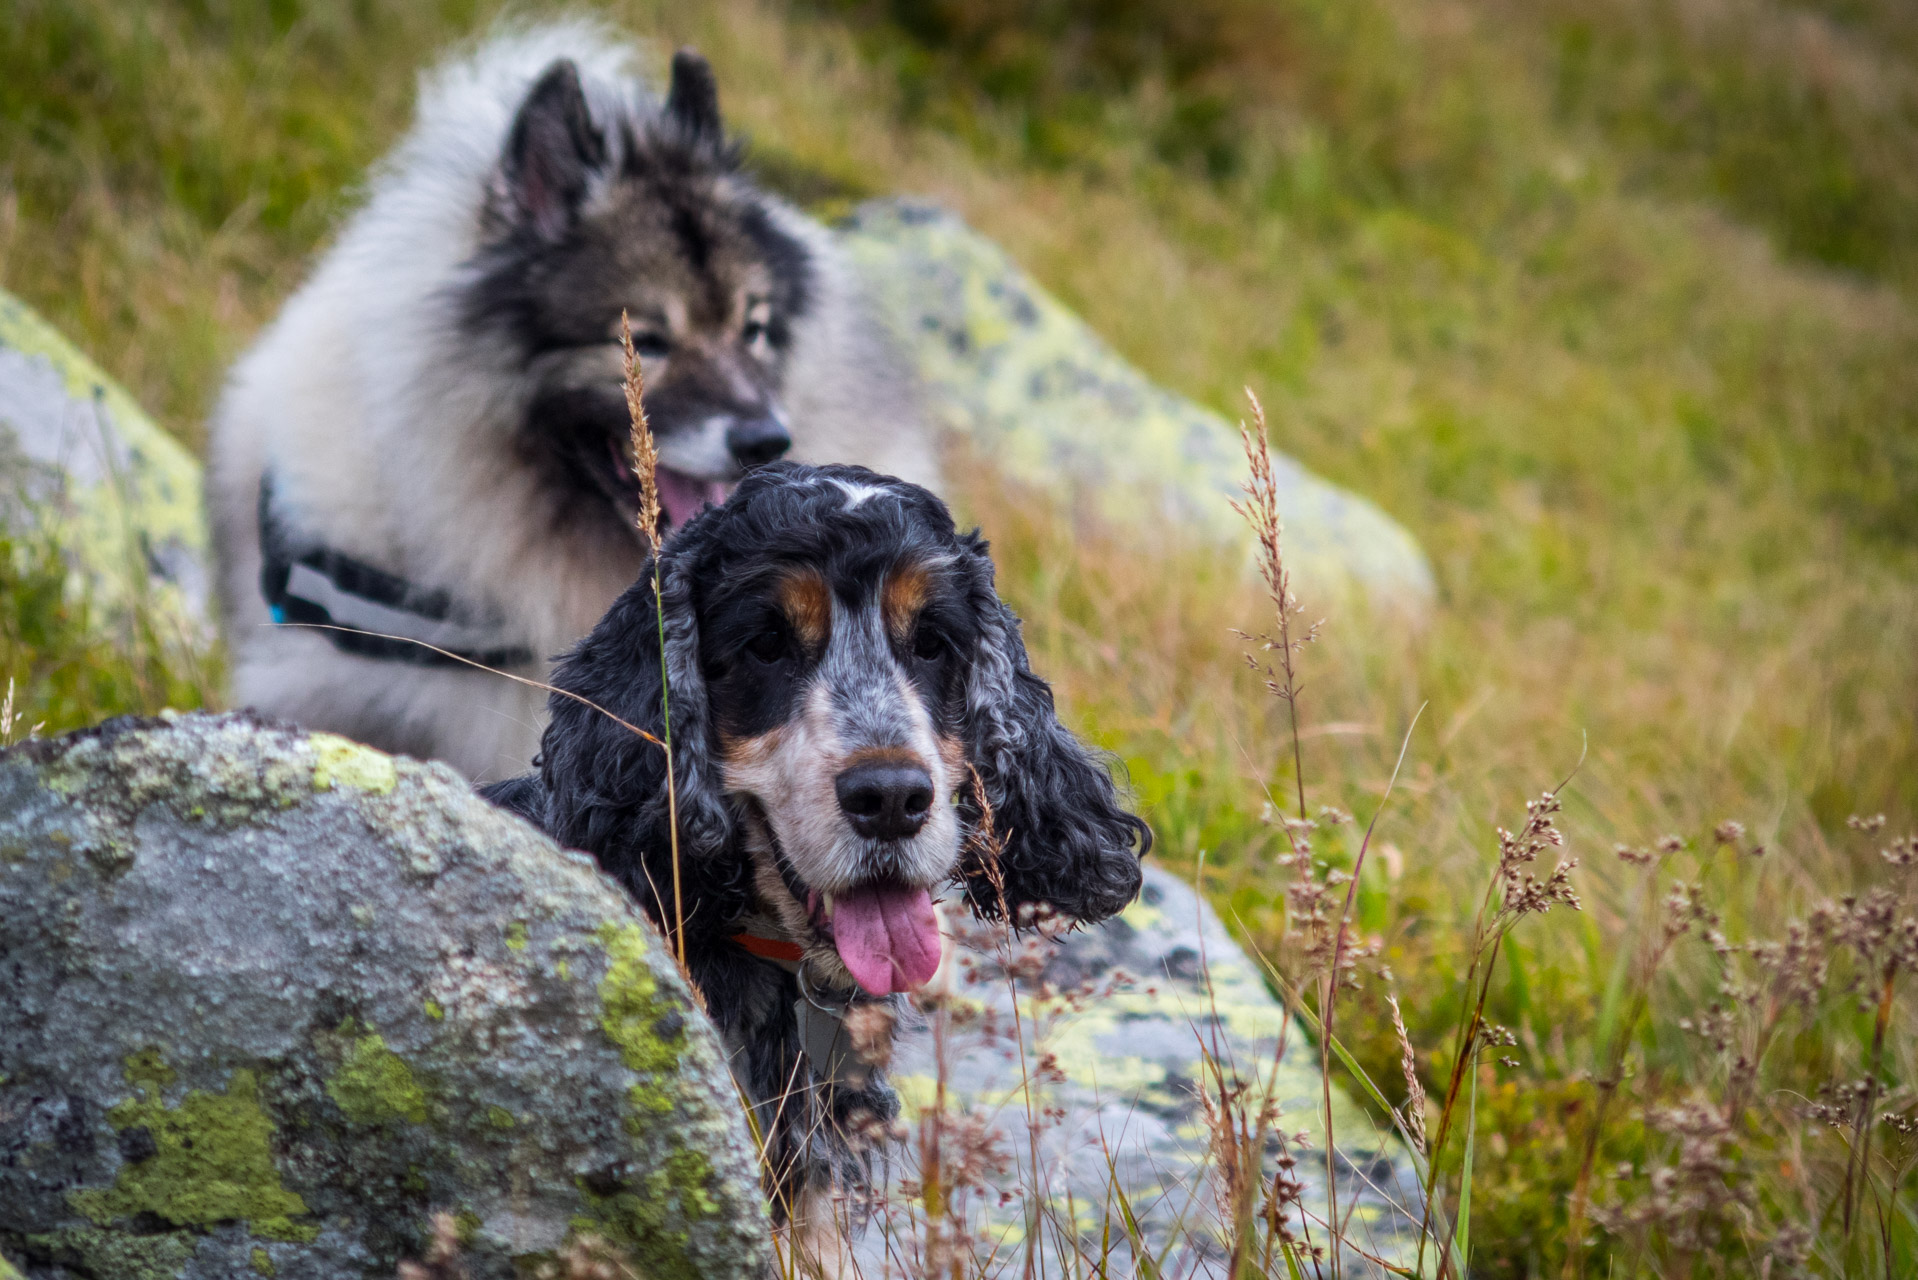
<point>1065,842</point>
<point>606,786</point>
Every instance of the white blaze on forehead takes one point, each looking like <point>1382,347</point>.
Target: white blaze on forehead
<point>858,493</point>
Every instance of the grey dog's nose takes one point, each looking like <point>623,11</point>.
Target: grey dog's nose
<point>754,441</point>
<point>885,801</point>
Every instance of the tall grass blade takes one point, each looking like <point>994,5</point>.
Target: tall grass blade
<point>1463,1229</point>
<point>1142,1256</point>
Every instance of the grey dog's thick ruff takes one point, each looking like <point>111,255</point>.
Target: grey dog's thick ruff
<point>393,399</point>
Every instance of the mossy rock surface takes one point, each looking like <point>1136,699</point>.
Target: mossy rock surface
<point>1122,1121</point>
<point>83,466</point>
<point>1010,369</point>
<point>268,1000</point>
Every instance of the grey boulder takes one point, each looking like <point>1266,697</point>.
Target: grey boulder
<point>1011,371</point>
<point>1080,1108</point>
<point>83,467</point>
<point>269,1000</point>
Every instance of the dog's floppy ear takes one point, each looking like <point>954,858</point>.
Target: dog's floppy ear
<point>692,101</point>
<point>551,154</point>
<point>1065,841</point>
<point>606,785</point>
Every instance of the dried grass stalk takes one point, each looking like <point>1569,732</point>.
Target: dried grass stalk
<point>645,452</point>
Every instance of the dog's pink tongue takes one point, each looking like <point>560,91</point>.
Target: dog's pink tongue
<point>887,936</point>
<point>685,496</point>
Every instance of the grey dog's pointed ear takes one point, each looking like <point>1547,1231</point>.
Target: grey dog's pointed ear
<point>551,154</point>
<point>1066,842</point>
<point>692,102</point>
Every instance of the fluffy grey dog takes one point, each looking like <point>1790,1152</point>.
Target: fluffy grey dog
<point>431,440</point>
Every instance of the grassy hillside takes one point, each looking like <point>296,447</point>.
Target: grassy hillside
<point>1610,302</point>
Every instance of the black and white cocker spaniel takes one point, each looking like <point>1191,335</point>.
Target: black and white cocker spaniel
<point>843,681</point>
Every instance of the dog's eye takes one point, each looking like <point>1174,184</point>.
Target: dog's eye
<point>756,331</point>
<point>649,343</point>
<point>928,644</point>
<point>767,646</point>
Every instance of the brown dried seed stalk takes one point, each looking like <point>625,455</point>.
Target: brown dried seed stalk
<point>1260,511</point>
<point>1414,1111</point>
<point>646,467</point>
<point>645,453</point>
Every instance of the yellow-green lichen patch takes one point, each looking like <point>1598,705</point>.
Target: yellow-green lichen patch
<point>7,1270</point>
<point>433,1009</point>
<point>263,1262</point>
<point>147,505</point>
<point>649,1219</point>
<point>500,1118</point>
<point>516,936</point>
<point>338,762</point>
<point>226,773</point>
<point>649,1030</point>
<point>212,1159</point>
<point>374,1085</point>
<point>122,1255</point>
<point>641,1220</point>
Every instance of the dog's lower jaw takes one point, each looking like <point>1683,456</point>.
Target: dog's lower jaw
<point>806,916</point>
<point>824,971</point>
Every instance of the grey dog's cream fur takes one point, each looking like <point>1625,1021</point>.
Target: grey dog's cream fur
<point>388,428</point>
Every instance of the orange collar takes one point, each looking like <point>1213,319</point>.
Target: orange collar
<point>770,948</point>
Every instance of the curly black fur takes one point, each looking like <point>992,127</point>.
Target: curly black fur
<point>1065,843</point>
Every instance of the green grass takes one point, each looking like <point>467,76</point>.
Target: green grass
<point>1611,303</point>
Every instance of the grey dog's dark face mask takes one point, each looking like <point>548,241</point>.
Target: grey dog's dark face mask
<point>657,227</point>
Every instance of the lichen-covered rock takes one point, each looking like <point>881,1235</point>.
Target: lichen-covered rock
<point>82,466</point>
<point>268,1000</point>
<point>1113,1033</point>
<point>1048,402</point>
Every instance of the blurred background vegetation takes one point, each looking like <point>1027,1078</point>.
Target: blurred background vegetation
<point>1611,302</point>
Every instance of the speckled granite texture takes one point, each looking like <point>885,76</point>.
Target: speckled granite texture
<point>1122,1109</point>
<point>1033,389</point>
<point>82,465</point>
<point>268,999</point>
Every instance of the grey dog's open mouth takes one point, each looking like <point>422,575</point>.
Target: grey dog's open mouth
<point>681,497</point>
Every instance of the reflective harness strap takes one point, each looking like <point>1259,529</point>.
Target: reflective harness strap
<point>304,582</point>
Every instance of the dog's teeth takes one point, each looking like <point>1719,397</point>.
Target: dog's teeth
<point>828,901</point>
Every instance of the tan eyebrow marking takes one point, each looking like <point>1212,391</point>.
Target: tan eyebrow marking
<point>902,597</point>
<point>807,602</point>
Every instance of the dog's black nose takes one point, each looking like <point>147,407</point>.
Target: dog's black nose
<point>885,801</point>
<point>754,441</point>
